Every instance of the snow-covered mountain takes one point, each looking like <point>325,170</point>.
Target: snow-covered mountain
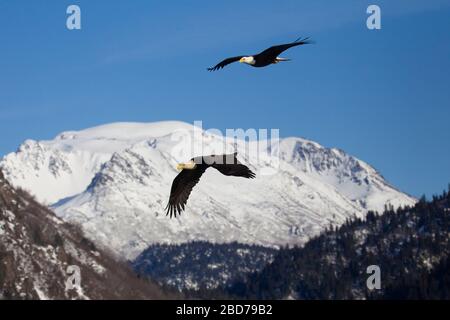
<point>115,180</point>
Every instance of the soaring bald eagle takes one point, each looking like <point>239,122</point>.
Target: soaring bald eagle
<point>191,172</point>
<point>263,59</point>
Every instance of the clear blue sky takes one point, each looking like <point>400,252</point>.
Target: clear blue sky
<point>383,96</point>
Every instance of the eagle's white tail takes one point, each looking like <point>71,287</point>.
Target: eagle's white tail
<point>278,59</point>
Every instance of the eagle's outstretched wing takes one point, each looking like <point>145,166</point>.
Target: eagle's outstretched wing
<point>273,52</point>
<point>236,169</point>
<point>182,186</point>
<point>225,62</point>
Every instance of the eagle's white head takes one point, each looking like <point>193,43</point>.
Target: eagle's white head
<point>247,60</point>
<point>188,166</point>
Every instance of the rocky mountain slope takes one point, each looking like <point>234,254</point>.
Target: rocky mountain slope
<point>39,254</point>
<point>114,180</point>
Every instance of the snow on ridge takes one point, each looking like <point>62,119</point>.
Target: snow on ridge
<point>126,130</point>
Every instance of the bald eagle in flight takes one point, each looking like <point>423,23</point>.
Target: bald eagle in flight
<point>265,58</point>
<point>191,172</point>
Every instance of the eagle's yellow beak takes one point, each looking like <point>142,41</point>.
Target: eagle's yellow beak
<point>241,60</point>
<point>189,166</point>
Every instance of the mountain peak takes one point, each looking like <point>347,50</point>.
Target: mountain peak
<point>126,131</point>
